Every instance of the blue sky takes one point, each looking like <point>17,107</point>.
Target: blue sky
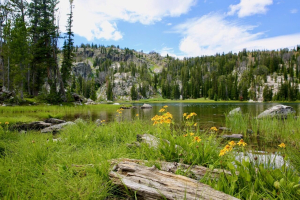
<point>186,28</point>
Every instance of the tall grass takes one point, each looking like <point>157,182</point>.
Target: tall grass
<point>267,129</point>
<point>41,112</point>
<point>76,164</point>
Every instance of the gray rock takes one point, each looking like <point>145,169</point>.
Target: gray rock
<point>90,102</point>
<point>31,126</point>
<point>116,104</point>
<point>78,98</point>
<point>56,128</point>
<point>234,136</point>
<point>54,121</point>
<point>98,122</point>
<point>146,106</point>
<point>235,111</point>
<point>279,111</point>
<point>224,129</point>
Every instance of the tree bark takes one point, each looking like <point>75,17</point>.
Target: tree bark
<point>151,183</point>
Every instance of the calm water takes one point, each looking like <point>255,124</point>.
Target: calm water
<point>208,114</point>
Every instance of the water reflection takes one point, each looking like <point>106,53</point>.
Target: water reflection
<point>207,113</point>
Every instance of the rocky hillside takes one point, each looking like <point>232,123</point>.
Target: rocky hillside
<point>127,74</point>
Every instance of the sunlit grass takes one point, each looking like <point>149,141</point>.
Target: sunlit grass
<point>76,165</point>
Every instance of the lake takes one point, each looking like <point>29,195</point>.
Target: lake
<point>208,114</point>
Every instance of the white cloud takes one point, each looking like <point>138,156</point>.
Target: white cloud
<point>213,34</point>
<point>97,19</point>
<point>294,11</point>
<point>250,7</point>
<point>169,24</point>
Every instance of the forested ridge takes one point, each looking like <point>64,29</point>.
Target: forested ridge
<point>33,65</point>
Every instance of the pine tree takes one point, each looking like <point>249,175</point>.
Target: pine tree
<point>109,92</point>
<point>68,55</point>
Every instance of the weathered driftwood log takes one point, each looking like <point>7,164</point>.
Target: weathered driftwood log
<point>151,183</point>
<point>193,171</point>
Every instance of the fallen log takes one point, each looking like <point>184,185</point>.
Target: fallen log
<point>151,183</point>
<point>193,171</point>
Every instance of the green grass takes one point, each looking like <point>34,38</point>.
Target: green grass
<point>41,112</point>
<point>33,166</point>
<point>267,129</point>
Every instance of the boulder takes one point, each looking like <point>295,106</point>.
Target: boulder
<point>90,102</point>
<point>99,122</point>
<point>78,98</point>
<point>224,129</point>
<point>117,104</point>
<point>31,126</point>
<point>279,111</point>
<point>56,128</point>
<point>54,121</point>
<point>235,111</point>
<point>234,136</point>
<point>146,106</point>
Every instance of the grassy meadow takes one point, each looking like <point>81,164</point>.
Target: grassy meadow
<point>75,163</point>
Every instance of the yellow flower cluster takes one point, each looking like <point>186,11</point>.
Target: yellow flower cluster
<point>6,123</point>
<point>197,139</point>
<point>187,116</point>
<point>214,129</point>
<point>165,106</point>
<point>102,121</point>
<point>282,145</point>
<point>137,115</point>
<point>120,110</point>
<point>166,118</point>
<point>162,110</point>
<point>230,146</point>
<point>241,142</point>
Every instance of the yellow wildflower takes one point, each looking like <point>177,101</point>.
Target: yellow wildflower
<point>197,139</point>
<point>282,145</point>
<point>192,134</point>
<point>184,114</point>
<point>193,114</point>
<point>6,123</point>
<point>232,143</point>
<point>214,128</point>
<point>195,124</point>
<point>165,106</point>
<point>241,142</point>
<point>162,110</point>
<point>137,115</point>
<point>222,152</point>
<point>185,135</point>
<point>227,148</point>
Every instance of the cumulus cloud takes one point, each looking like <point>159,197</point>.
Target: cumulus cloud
<point>250,7</point>
<point>98,19</point>
<point>294,11</point>
<point>213,34</point>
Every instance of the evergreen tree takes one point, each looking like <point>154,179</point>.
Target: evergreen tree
<point>109,92</point>
<point>68,55</point>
